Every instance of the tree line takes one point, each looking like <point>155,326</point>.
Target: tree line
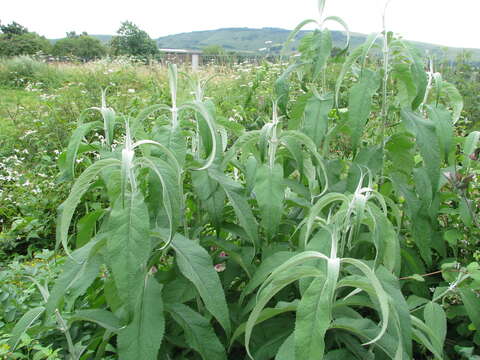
<point>16,39</point>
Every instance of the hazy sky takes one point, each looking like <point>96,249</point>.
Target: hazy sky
<point>442,22</point>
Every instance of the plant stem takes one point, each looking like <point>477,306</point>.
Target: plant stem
<point>384,111</point>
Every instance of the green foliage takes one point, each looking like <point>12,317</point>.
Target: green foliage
<point>133,41</point>
<point>17,40</point>
<point>213,50</point>
<point>82,46</point>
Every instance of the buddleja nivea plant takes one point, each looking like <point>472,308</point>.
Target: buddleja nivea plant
<point>141,185</point>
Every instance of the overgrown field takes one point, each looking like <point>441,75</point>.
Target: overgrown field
<point>321,208</point>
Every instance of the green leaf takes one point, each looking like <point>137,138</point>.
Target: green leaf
<point>380,293</point>
<point>469,146</point>
<point>207,116</point>
<point>211,195</point>
<point>174,140</point>
<point>366,329</point>
<point>427,142</point>
<point>86,226</point>
<point>235,194</point>
<point>472,303</point>
<point>67,208</point>
<point>78,273</point>
<point>265,314</point>
<point>269,192</point>
<point>424,335</point>
<point>287,350</point>
<point>129,245</point>
<point>315,123</point>
<point>449,91</point>
<point>360,103</point>
<point>444,128</point>
<point>267,266</point>
<point>104,318</point>
<point>198,332</point>
<point>25,322</point>
<point>314,314</point>
<point>282,276</point>
<point>196,265</point>
<point>172,197</point>
<point>69,171</point>
<point>436,320</point>
<point>465,213</point>
<point>142,338</point>
<point>322,47</point>
<point>352,57</point>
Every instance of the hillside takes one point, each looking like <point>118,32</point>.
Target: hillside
<point>251,40</point>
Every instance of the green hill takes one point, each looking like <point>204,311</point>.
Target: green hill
<point>251,40</point>
<point>241,39</point>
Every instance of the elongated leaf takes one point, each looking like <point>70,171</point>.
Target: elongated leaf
<point>342,23</point>
<point>353,56</point>
<point>287,350</point>
<point>427,142</point>
<point>367,330</point>
<point>436,320</point>
<point>265,314</point>
<point>360,103</point>
<point>211,195</point>
<point>266,267</point>
<point>142,338</point>
<point>239,202</point>
<point>295,32</point>
<point>380,293</point>
<point>171,195</point>
<point>314,315</point>
<point>456,101</point>
<point>472,304</point>
<point>196,265</point>
<point>25,322</point>
<point>444,128</point>
<point>174,140</point>
<point>67,208</point>
<point>79,272</point>
<point>207,116</point>
<point>315,123</point>
<point>424,335</point>
<point>284,275</point>
<point>104,318</point>
<point>269,191</point>
<point>86,226</point>
<point>198,332</point>
<point>322,45</point>
<point>129,246</point>
<point>72,148</point>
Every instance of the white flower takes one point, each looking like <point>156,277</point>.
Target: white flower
<point>131,91</point>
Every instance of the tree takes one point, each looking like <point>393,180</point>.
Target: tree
<point>213,50</point>
<point>133,41</point>
<point>15,39</point>
<point>82,46</point>
<point>13,29</point>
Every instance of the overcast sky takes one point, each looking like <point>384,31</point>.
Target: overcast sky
<point>443,22</point>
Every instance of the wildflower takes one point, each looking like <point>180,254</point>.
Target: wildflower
<point>131,91</point>
<point>220,267</point>
<point>222,254</point>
